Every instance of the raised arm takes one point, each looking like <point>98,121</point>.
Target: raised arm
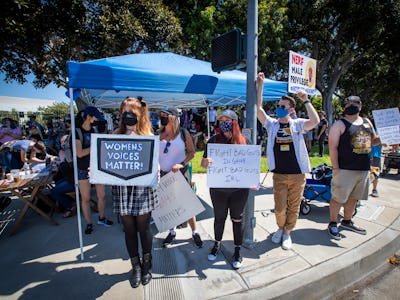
<point>261,114</point>
<point>313,118</point>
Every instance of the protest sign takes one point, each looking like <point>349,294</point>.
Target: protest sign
<point>233,166</point>
<point>124,160</point>
<point>302,73</point>
<point>387,122</point>
<point>177,202</point>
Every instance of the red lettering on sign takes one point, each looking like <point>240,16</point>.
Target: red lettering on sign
<point>297,59</point>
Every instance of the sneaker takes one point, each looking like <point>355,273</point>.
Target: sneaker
<point>374,193</point>
<point>197,240</point>
<point>214,251</point>
<point>169,239</point>
<point>277,237</point>
<point>334,231</point>
<point>349,225</point>
<point>105,222</point>
<point>89,229</point>
<point>286,242</point>
<point>237,259</point>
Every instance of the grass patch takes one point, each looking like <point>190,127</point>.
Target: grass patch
<point>314,161</point>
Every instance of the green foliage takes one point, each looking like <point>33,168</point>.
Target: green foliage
<point>39,37</point>
<point>57,110</point>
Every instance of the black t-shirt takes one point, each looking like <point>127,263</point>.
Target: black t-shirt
<point>355,144</point>
<point>285,156</point>
<point>84,162</point>
<point>321,124</point>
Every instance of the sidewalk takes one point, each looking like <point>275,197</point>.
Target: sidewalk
<point>42,261</point>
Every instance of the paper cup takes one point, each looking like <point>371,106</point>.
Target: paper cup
<point>10,177</point>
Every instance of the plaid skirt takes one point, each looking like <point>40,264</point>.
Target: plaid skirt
<point>134,200</point>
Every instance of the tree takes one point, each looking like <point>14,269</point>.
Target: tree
<point>57,110</point>
<point>39,37</point>
<point>339,36</point>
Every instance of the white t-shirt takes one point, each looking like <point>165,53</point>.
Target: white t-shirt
<point>212,115</point>
<point>176,153</point>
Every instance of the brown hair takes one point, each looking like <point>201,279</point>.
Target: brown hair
<point>40,146</point>
<point>139,108</point>
<point>290,99</point>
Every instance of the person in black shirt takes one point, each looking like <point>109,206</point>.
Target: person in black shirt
<point>322,130</point>
<point>91,115</point>
<point>350,142</point>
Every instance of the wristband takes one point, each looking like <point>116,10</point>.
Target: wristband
<point>183,163</point>
<point>307,101</point>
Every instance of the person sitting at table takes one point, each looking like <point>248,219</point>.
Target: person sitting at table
<point>9,131</point>
<point>30,151</point>
<point>64,184</point>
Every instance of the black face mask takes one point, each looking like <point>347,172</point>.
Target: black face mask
<point>351,110</point>
<point>129,118</point>
<point>95,123</point>
<point>164,121</point>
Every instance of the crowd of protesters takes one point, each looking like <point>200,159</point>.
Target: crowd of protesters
<point>290,137</point>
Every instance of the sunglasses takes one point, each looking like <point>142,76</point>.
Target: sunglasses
<point>281,106</point>
<point>166,147</point>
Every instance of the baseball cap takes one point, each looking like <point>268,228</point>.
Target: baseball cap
<point>352,99</point>
<point>170,110</point>
<point>229,114</point>
<point>93,111</point>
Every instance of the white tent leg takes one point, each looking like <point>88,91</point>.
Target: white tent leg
<point>76,183</point>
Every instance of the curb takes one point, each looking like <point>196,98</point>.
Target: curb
<point>332,276</point>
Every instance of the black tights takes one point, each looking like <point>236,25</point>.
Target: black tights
<point>134,225</point>
<point>233,200</point>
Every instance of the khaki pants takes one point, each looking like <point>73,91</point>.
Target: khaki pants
<point>288,190</point>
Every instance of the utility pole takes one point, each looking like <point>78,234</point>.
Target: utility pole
<point>251,119</point>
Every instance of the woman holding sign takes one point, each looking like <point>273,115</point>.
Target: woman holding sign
<point>176,151</point>
<point>224,199</point>
<point>135,203</point>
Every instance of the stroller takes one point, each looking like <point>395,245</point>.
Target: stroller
<point>318,188</point>
<point>391,161</point>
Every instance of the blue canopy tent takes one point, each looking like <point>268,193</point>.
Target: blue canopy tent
<point>161,79</point>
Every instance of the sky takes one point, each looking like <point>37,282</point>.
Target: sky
<point>27,90</point>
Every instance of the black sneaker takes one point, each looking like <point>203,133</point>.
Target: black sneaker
<point>197,240</point>
<point>334,231</point>
<point>214,251</point>
<point>105,222</point>
<point>89,229</point>
<point>349,225</point>
<point>168,240</point>
<point>237,259</point>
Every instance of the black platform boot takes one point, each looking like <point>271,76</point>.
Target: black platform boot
<point>136,271</point>
<point>146,268</point>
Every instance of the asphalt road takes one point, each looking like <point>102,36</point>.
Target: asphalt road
<point>383,284</point>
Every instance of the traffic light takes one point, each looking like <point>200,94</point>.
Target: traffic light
<point>228,51</point>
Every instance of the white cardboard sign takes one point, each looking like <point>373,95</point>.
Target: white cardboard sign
<point>233,166</point>
<point>177,202</point>
<point>387,122</point>
<point>302,73</point>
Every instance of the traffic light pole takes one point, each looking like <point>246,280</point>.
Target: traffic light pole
<point>251,117</point>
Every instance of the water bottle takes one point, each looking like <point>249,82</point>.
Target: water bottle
<point>27,168</point>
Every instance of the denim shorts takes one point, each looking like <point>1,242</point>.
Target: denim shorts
<point>83,174</point>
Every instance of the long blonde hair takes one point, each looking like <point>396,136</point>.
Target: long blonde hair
<point>139,108</point>
<point>174,124</point>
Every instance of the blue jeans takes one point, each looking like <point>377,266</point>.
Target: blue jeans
<point>11,160</point>
<point>58,193</point>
